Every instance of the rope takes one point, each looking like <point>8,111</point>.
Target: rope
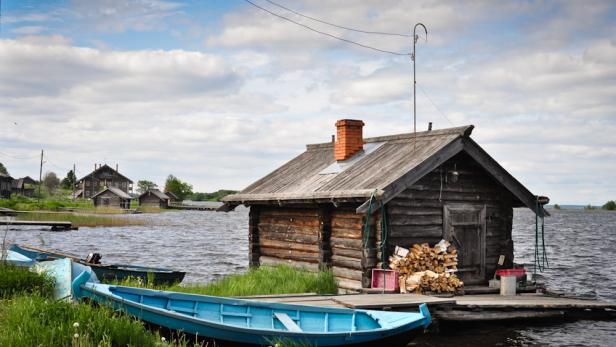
<point>384,229</point>
<point>367,224</point>
<point>541,257</point>
<point>383,235</point>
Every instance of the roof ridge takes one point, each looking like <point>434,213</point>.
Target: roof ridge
<point>464,131</point>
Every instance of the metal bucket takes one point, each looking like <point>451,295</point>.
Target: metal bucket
<point>507,285</point>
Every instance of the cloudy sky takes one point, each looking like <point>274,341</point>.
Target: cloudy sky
<point>220,93</point>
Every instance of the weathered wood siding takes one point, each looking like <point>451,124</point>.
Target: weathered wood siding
<point>347,248</point>
<point>289,235</point>
<point>153,201</point>
<point>416,215</point>
<point>113,200</point>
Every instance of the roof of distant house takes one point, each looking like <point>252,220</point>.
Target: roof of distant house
<point>104,167</point>
<point>156,193</point>
<point>115,191</point>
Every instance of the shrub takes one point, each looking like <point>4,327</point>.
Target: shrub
<point>610,205</point>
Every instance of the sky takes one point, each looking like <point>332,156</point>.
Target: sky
<point>220,93</point>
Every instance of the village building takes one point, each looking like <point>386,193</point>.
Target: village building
<point>102,176</point>
<point>6,182</point>
<point>154,198</point>
<point>23,186</point>
<point>173,199</point>
<point>347,204</point>
<point>112,197</point>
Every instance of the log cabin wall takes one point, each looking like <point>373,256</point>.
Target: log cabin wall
<point>317,237</point>
<point>417,214</point>
<point>286,235</point>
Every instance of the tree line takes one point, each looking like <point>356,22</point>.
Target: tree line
<point>183,190</point>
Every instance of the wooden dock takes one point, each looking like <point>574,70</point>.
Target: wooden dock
<point>55,225</point>
<point>465,308</point>
<point>213,206</point>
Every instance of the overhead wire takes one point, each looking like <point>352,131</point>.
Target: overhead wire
<point>336,25</point>
<point>324,33</point>
<point>434,104</point>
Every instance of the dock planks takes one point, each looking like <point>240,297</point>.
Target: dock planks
<point>55,225</point>
<point>486,307</point>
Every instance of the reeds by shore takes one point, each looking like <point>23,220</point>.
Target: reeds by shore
<point>84,220</point>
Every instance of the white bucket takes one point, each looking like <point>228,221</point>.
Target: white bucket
<point>507,285</point>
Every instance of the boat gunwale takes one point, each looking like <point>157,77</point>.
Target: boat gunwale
<point>169,313</point>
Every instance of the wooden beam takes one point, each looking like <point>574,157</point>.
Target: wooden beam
<point>325,233</point>
<point>409,178</point>
<point>254,249</point>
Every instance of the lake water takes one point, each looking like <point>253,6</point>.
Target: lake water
<point>208,245</point>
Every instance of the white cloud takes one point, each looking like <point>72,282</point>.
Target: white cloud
<point>537,79</point>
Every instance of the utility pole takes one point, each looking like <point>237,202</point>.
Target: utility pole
<point>413,57</point>
<point>74,183</point>
<point>40,178</point>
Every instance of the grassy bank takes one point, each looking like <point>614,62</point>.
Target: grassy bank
<point>264,280</point>
<point>29,318</point>
<point>83,220</point>
<point>50,203</point>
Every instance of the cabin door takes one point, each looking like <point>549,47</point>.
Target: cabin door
<point>465,228</point>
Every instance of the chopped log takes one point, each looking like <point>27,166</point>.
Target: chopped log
<point>427,269</point>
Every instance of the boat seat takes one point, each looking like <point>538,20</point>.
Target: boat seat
<point>288,322</point>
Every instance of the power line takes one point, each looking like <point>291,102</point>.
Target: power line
<point>324,33</point>
<point>433,104</point>
<point>17,158</point>
<point>336,25</point>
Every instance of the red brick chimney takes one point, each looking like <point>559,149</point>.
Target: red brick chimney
<point>349,138</point>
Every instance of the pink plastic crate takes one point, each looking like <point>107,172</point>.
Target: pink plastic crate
<point>387,278</point>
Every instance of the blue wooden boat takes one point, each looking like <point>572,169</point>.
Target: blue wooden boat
<point>108,272</point>
<point>252,322</point>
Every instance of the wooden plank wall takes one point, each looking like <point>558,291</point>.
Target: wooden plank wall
<point>289,235</point>
<point>347,250</point>
<point>416,215</point>
<point>319,237</point>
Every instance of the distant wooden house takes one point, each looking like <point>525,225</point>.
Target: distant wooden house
<point>112,197</point>
<point>154,198</point>
<point>102,176</point>
<point>173,199</point>
<point>6,183</point>
<point>23,186</point>
<point>345,205</point>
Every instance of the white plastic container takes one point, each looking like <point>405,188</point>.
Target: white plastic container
<point>507,285</point>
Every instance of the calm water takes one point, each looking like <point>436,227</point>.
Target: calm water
<point>208,245</point>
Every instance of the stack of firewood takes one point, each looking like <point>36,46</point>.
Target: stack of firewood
<point>427,269</point>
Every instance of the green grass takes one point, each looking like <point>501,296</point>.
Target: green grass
<point>264,280</point>
<point>51,203</point>
<point>37,321</point>
<point>16,280</point>
<point>82,220</point>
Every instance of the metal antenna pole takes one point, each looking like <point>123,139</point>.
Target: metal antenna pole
<point>415,38</point>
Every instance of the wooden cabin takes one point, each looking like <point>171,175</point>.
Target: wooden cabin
<point>345,205</point>
<point>23,186</point>
<point>6,182</point>
<point>112,197</point>
<point>154,198</point>
<point>102,176</point>
<point>173,199</point>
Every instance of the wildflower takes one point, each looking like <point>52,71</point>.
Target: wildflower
<point>76,325</point>
<point>76,336</point>
<point>163,339</point>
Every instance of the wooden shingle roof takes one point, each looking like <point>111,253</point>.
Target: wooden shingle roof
<point>387,166</point>
<point>114,190</point>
